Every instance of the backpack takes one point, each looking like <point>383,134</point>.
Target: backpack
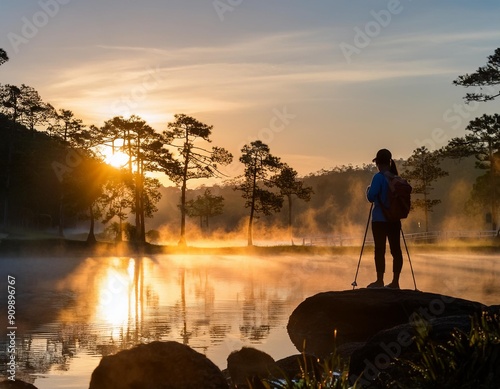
<point>399,198</point>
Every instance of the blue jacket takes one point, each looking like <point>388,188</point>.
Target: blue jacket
<point>376,192</point>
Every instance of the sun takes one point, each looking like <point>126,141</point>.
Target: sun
<point>116,159</point>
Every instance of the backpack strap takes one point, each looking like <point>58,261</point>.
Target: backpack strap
<point>388,180</point>
<point>388,175</point>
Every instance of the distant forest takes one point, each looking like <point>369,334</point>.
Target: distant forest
<point>56,180</point>
<point>337,205</point>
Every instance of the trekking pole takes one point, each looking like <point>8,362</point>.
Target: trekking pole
<point>409,259</point>
<point>354,283</point>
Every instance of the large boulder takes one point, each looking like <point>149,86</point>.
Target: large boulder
<point>327,320</point>
<point>157,365</point>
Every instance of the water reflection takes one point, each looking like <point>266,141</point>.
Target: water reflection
<point>121,301</point>
<point>84,308</point>
<point>198,301</point>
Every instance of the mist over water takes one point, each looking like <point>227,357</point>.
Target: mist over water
<point>72,311</point>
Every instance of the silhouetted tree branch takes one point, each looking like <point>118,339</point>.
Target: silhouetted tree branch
<point>485,77</point>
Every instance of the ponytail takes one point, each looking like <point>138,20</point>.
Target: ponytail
<point>392,168</point>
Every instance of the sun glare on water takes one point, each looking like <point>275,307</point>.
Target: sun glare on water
<point>114,303</point>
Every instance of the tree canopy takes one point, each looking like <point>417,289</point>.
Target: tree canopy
<point>3,56</point>
<point>485,78</point>
<point>205,206</point>
<point>194,161</point>
<point>260,165</point>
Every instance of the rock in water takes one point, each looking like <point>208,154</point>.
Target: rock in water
<point>357,315</point>
<point>157,365</point>
<point>249,364</point>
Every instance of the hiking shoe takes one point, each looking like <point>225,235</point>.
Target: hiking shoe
<point>376,284</point>
<point>393,285</point>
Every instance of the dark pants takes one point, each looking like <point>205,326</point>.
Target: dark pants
<point>383,231</point>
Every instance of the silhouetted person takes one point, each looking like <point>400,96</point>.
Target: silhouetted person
<point>382,229</point>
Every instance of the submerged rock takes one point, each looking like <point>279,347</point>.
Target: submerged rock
<point>324,321</point>
<point>157,365</point>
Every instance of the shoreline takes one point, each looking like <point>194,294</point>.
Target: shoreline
<point>62,247</point>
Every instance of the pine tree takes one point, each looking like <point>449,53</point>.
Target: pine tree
<point>260,165</point>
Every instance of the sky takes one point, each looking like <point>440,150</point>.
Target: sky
<point>324,83</point>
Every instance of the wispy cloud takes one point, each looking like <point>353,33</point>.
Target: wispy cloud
<point>260,70</point>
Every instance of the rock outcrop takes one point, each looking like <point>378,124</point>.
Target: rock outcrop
<point>327,320</point>
<point>162,365</point>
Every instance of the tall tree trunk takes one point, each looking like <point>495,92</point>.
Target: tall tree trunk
<point>182,240</point>
<point>493,179</point>
<point>138,194</point>
<point>290,232</point>
<point>91,236</point>
<point>137,209</point>
<point>252,209</point>
<point>119,237</point>
<point>250,227</point>
<point>142,235</point>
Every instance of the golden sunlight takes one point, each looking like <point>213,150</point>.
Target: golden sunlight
<point>117,159</point>
<point>116,297</point>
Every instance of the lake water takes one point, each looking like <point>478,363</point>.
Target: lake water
<point>72,311</point>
